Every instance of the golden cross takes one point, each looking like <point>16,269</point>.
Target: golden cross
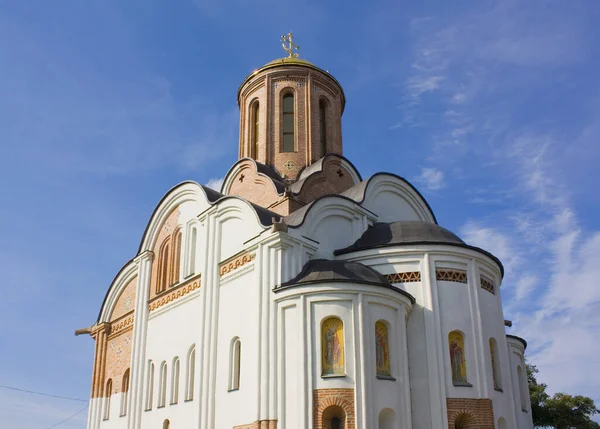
<point>291,48</point>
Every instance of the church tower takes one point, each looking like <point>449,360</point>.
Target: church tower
<point>290,113</point>
<point>290,150</point>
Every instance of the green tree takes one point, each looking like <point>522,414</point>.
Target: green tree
<point>560,411</point>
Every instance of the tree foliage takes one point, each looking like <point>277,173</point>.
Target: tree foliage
<point>560,411</point>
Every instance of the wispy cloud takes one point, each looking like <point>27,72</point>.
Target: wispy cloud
<point>215,183</point>
<point>431,178</point>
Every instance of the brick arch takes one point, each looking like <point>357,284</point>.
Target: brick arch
<point>464,420</point>
<point>470,413</point>
<point>328,401</point>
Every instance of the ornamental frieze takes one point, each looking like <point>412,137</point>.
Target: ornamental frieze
<point>174,294</point>
<point>448,275</point>
<point>121,325</point>
<point>235,263</point>
<point>488,285</point>
<point>406,277</point>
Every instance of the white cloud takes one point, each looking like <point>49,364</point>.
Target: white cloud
<point>431,178</point>
<point>215,183</point>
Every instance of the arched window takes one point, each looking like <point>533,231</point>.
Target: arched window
<point>456,344</point>
<point>288,123</point>
<point>255,130</point>
<point>465,421</point>
<point>333,417</point>
<point>124,393</point>
<point>163,267</point>
<point>501,423</point>
<point>323,125</point>
<point>387,419</point>
<point>149,385</point>
<point>332,347</point>
<point>190,373</point>
<point>167,424</point>
<point>495,361</point>
<point>107,393</point>
<point>175,381</point>
<point>175,272</point>
<point>162,385</point>
<point>522,388</point>
<point>382,349</point>
<point>194,238</point>
<point>235,364</point>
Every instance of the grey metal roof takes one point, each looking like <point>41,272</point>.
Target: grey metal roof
<point>402,232</point>
<point>325,270</point>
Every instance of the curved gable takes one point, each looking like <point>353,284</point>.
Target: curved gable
<point>121,287</point>
<point>392,198</point>
<point>255,182</point>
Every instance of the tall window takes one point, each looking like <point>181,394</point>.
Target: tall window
<point>255,130</point>
<point>124,393</point>
<point>176,257</point>
<point>288,123</point>
<point>107,393</point>
<point>167,424</point>
<point>456,344</point>
<point>522,388</point>
<point>194,237</point>
<point>163,267</point>
<point>323,125</point>
<point>175,382</point>
<point>332,347</point>
<point>494,359</point>
<point>382,349</point>
<point>234,364</point>
<point>149,385</point>
<point>162,385</point>
<point>190,373</point>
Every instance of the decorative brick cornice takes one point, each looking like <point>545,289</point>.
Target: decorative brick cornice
<point>121,325</point>
<point>451,275</point>
<point>174,293</point>
<point>236,262</point>
<point>488,284</point>
<point>406,277</point>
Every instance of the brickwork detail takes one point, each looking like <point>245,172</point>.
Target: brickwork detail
<point>329,403</point>
<point>469,413</point>
<point>121,324</point>
<point>236,262</point>
<point>125,301</point>
<point>118,359</point>
<point>260,424</point>
<point>406,277</point>
<point>488,284</point>
<point>449,275</point>
<point>254,187</point>
<point>332,179</point>
<point>174,294</point>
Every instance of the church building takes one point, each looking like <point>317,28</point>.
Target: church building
<point>302,295</point>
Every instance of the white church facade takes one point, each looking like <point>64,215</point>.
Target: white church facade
<point>302,296</point>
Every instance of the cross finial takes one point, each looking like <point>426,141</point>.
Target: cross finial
<point>291,47</point>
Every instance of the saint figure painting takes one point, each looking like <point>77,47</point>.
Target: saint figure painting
<point>456,344</point>
<point>332,347</point>
<point>382,349</point>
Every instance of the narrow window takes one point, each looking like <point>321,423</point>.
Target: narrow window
<point>255,130</point>
<point>189,379</point>
<point>332,347</point>
<point>124,393</point>
<point>456,344</point>
<point>162,385</point>
<point>163,267</point>
<point>176,258</point>
<point>288,123</point>
<point>494,359</point>
<point>175,382</point>
<point>522,388</point>
<point>234,364</point>
<point>107,394</point>
<point>193,250</point>
<point>323,126</point>
<point>149,385</point>
<point>167,424</point>
<point>382,349</point>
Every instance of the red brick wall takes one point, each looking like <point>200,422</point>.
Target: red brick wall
<point>468,413</point>
<point>327,400</point>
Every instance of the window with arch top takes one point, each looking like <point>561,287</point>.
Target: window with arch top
<point>332,347</point>
<point>162,385</point>
<point>190,374</point>
<point>288,144</point>
<point>175,272</point>
<point>458,366</point>
<point>255,130</point>
<point>175,381</point>
<point>108,391</point>
<point>323,110</point>
<point>149,385</point>
<point>235,364</point>
<point>382,350</point>
<point>124,393</point>
<point>495,361</point>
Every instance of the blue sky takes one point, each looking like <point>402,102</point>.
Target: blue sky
<point>491,108</point>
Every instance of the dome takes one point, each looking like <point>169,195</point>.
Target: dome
<point>403,232</point>
<point>325,270</point>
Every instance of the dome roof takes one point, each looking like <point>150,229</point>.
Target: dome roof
<point>325,270</point>
<point>403,232</point>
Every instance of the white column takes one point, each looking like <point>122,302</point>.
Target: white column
<point>138,347</point>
